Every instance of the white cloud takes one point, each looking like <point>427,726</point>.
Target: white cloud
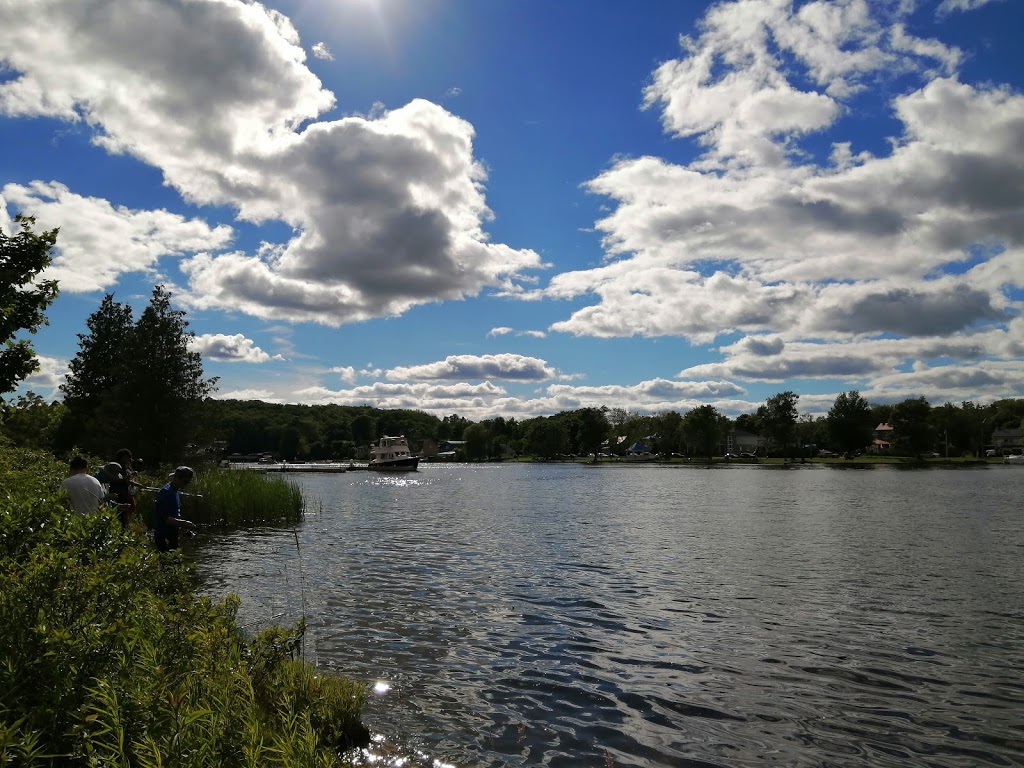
<point>507,367</point>
<point>98,242</point>
<point>264,395</point>
<point>487,400</point>
<point>388,210</point>
<point>768,358</point>
<point>845,268</point>
<point>322,52</point>
<point>505,331</point>
<point>949,6</point>
<point>346,373</point>
<point>230,349</point>
<point>46,381</point>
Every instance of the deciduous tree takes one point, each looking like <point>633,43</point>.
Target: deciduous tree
<point>703,427</point>
<point>849,422</point>
<point>23,298</point>
<point>591,430</point>
<point>778,418</point>
<point>31,422</point>
<point>914,431</point>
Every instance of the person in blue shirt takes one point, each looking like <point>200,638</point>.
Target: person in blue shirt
<point>169,521</point>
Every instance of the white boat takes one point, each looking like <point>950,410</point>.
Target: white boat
<point>392,454</point>
<point>1016,458</point>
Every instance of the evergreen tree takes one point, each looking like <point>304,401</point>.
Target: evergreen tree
<point>135,385</point>
<point>96,381</point>
<point>23,299</point>
<point>167,380</point>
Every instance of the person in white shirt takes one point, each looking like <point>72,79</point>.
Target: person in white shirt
<point>84,492</point>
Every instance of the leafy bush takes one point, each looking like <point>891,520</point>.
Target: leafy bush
<point>108,657</point>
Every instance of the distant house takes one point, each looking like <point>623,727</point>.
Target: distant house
<point>1006,436</point>
<point>738,441</point>
<point>639,449</point>
<point>883,437</point>
<point>614,445</point>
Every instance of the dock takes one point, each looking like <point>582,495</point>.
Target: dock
<point>284,466</point>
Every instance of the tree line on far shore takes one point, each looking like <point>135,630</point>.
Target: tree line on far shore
<point>136,383</point>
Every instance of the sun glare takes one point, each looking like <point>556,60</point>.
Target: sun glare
<point>378,24</point>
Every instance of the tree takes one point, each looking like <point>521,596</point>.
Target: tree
<point>591,430</point>
<point>135,385</point>
<point>811,431</point>
<point>748,422</point>
<point>912,424</point>
<point>778,418</point>
<point>475,436</point>
<point>546,438</point>
<point>849,422</point>
<point>703,427</point>
<point>31,422</point>
<point>167,379</point>
<point>670,430</point>
<point>23,298</point>
<point>98,381</point>
<point>363,429</point>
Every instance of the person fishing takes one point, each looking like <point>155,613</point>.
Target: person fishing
<point>83,492</point>
<point>123,486</point>
<point>168,521</point>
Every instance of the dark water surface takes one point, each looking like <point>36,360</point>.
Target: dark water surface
<point>565,615</point>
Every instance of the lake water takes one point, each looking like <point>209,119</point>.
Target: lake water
<point>643,615</point>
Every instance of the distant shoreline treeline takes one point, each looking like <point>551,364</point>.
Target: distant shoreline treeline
<point>320,432</point>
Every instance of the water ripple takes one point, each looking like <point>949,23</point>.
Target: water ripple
<point>510,615</point>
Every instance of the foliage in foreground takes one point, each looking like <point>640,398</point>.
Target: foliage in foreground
<point>108,657</point>
<point>23,297</point>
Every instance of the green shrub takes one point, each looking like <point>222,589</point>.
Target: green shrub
<point>108,657</point>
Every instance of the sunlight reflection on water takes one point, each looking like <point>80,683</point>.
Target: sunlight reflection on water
<point>641,616</point>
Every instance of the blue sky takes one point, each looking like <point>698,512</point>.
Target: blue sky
<point>519,207</point>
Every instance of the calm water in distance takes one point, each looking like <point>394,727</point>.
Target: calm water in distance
<point>644,615</point>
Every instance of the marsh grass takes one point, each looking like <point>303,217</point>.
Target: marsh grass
<point>109,657</point>
<point>232,498</point>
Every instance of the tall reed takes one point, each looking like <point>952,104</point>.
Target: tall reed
<point>233,498</point>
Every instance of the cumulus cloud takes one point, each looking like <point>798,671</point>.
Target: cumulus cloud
<point>99,241</point>
<point>388,210</point>
<point>322,52</point>
<point>264,395</point>
<point>346,373</point>
<point>47,380</point>
<point>809,255</point>
<point>862,359</point>
<point>230,349</point>
<point>507,367</point>
<point>486,400</point>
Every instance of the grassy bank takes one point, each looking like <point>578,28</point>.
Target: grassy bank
<point>109,657</point>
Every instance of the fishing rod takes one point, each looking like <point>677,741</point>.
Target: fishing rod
<point>157,490</point>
